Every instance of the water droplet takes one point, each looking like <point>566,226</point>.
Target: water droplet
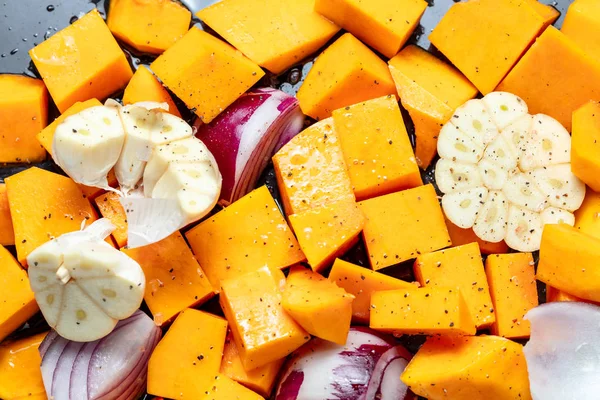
<point>50,8</point>
<point>73,19</point>
<point>3,55</point>
<point>35,35</point>
<point>14,51</point>
<point>24,39</point>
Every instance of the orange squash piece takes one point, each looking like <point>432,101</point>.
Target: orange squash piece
<point>346,73</point>
<point>293,31</point>
<point>7,234</point>
<point>376,148</point>
<point>469,31</point>
<point>144,86</point>
<point>23,113</point>
<point>224,388</point>
<point>430,90</point>
<point>553,295</point>
<point>585,149</point>
<point>548,13</point>
<point>262,330</point>
<point>243,237</point>
<point>402,225</point>
<point>310,170</point>
<point>587,217</point>
<point>20,375</point>
<point>44,205</point>
<point>582,26</point>
<point>199,60</point>
<point>81,62</point>
<point>110,208</point>
<point>460,236</point>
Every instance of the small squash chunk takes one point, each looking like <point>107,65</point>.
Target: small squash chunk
<point>460,236</point>
<point>149,26</point>
<point>548,13</point>
<point>17,302</point>
<point>430,90</point>
<point>81,62</point>
<point>569,261</point>
<point>187,359</point>
<point>362,282</point>
<point>110,208</point>
<point>327,232</point>
<point>44,205</point>
<point>318,305</point>
<point>384,25</point>
<point>144,86</point>
<point>514,292</point>
<point>582,26</point>
<point>199,66</point>
<point>585,148</point>
<point>224,388</point>
<point>402,225</point>
<point>376,148</point>
<point>174,279</point>
<point>7,234</point>
<point>20,375</point>
<point>469,30</point>
<point>346,73</point>
<point>243,237</point>
<point>421,311</point>
<point>293,32</point>
<point>587,217</point>
<point>555,77</point>
<point>262,330</point>
<point>468,368</point>
<point>310,170</point>
<point>554,295</point>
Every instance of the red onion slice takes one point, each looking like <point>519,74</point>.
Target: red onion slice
<point>384,369</point>
<point>61,379</point>
<point>78,380</point>
<point>392,388</point>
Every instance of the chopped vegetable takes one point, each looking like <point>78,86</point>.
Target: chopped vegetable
<point>554,295</point>
<point>385,383</point>
<point>7,235</point>
<point>582,26</point>
<point>460,236</point>
<point>110,208</point>
<point>20,375</point>
<point>224,388</point>
<point>548,13</point>
<point>584,155</point>
<point>144,86</point>
<point>587,218</point>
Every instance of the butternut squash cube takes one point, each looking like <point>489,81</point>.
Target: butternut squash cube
<point>327,232</point>
<point>44,205</point>
<point>247,235</point>
<point>110,208</point>
<point>582,26</point>
<point>460,267</point>
<point>187,359</point>
<point>553,295</point>
<point>346,73</point>
<point>460,236</point>
<point>206,73</point>
<point>23,113</point>
<point>468,368</point>
<point>402,225</point>
<point>7,234</point>
<point>81,62</point>
<point>376,148</point>
<point>224,388</point>
<point>384,25</point>
<point>587,218</point>
<point>555,77</point>
<point>174,279</point>
<point>585,149</point>
<point>262,330</point>
<point>318,305</point>
<point>469,31</point>
<point>17,302</point>
<point>293,32</point>
<point>362,282</point>
<point>144,86</point>
<point>310,170</point>
<point>421,311</point>
<point>20,374</point>
<point>149,26</point>
<point>430,90</point>
<point>548,13</point>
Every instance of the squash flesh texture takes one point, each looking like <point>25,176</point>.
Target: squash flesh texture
<point>587,218</point>
<point>585,149</point>
<point>224,388</point>
<point>582,26</point>
<point>110,208</point>
<point>7,234</point>
<point>20,375</point>
<point>144,86</point>
<point>548,13</point>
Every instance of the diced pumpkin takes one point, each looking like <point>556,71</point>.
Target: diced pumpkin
<point>262,330</point>
<point>81,62</point>
<point>430,90</point>
<point>224,388</point>
<point>44,205</point>
<point>459,267</point>
<point>421,311</point>
<point>110,208</point>
<point>468,368</point>
<point>310,170</point>
<point>198,66</point>
<point>149,26</point>
<point>553,295</point>
<point>582,26</point>
<point>327,232</point>
<point>460,236</point>
<point>514,292</point>
<point>376,148</point>
<point>17,302</point>
<point>554,77</point>
<point>468,32</point>
<point>384,25</point>
<point>7,234</point>
<point>346,73</point>
<point>320,307</point>
<point>187,359</point>
<point>585,149</point>
<point>174,279</point>
<point>587,217</point>
<point>247,235</point>
<point>293,32</point>
<point>23,113</point>
<point>548,13</point>
<point>402,225</point>
<point>144,86</point>
<point>20,374</point>
<point>362,282</point>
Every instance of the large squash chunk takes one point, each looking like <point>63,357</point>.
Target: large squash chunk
<point>110,208</point>
<point>278,35</point>
<point>247,235</point>
<point>81,62</point>
<point>206,73</point>
<point>144,86</point>
<point>20,374</point>
<point>587,218</point>
<point>23,113</point>
<point>585,148</point>
<point>582,26</point>
<point>7,234</point>
<point>485,38</point>
<point>430,90</point>
<point>346,73</point>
